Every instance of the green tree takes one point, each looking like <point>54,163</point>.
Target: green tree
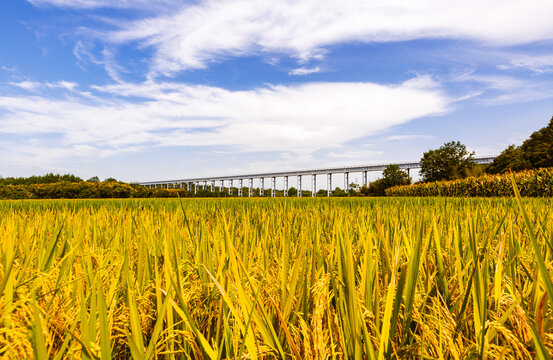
<point>338,192</point>
<point>449,162</point>
<point>538,149</point>
<point>535,152</point>
<point>94,179</point>
<point>292,191</point>
<point>364,190</point>
<point>510,159</point>
<point>354,188</point>
<point>321,193</point>
<point>393,176</point>
<point>377,188</point>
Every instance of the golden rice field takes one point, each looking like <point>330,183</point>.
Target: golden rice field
<point>408,278</point>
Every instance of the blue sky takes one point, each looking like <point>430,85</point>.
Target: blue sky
<point>163,89</point>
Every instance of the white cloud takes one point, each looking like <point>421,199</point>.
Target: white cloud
<point>355,156</point>
<point>9,68</point>
<point>295,119</point>
<point>111,66</point>
<point>107,59</point>
<point>406,137</point>
<point>36,85</point>
<point>26,85</point>
<point>206,31</point>
<point>305,71</point>
<point>495,82</point>
<point>68,85</point>
<point>537,64</point>
<point>503,89</point>
<point>90,4</point>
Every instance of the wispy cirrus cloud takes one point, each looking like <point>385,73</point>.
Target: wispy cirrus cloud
<point>305,70</point>
<point>36,85</point>
<point>27,85</point>
<point>9,68</point>
<point>494,89</point>
<point>202,32</point>
<point>535,63</point>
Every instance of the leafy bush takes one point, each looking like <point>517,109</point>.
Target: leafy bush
<point>534,183</point>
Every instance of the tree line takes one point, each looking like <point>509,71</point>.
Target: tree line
<point>42,179</point>
<point>50,178</point>
<point>452,161</point>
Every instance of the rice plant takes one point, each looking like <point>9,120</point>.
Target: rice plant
<point>409,278</point>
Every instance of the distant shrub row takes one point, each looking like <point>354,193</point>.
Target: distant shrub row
<point>533,183</point>
<point>40,179</point>
<point>88,190</point>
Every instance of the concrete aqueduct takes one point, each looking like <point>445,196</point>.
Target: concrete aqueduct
<point>238,180</point>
